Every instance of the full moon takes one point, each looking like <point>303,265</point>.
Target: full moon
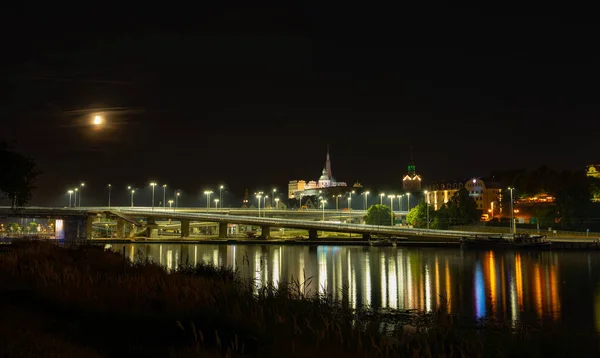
<point>97,120</point>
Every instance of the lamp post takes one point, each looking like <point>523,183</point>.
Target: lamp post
<point>164,196</point>
<point>153,185</point>
<point>273,197</point>
<point>512,212</point>
<point>258,196</point>
<point>381,195</point>
<point>276,203</point>
<point>177,199</point>
<point>400,196</point>
<point>265,204</point>
<point>75,201</point>
<point>408,201</point>
<point>80,190</point>
<point>70,194</point>
<point>365,194</point>
<point>221,187</point>
<point>132,191</point>
<point>109,186</point>
<point>170,204</point>
<point>207,193</point>
<point>427,204</point>
<point>323,202</point>
<point>392,208</point>
<point>216,203</point>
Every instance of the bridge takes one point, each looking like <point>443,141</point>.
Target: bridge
<point>79,222</point>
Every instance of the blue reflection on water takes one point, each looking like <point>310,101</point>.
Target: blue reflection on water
<point>479,291</point>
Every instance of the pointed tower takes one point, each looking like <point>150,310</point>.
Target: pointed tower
<point>328,164</point>
<point>411,181</point>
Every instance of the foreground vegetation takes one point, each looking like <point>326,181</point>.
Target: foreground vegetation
<point>84,302</point>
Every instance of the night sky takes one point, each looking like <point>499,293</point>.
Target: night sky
<point>251,98</point>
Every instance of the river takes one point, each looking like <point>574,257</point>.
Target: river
<point>559,287</point>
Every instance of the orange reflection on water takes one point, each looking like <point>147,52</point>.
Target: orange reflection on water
<point>519,279</point>
<point>492,281</point>
<point>554,297</point>
<point>537,288</point>
<point>448,283</point>
<point>437,283</point>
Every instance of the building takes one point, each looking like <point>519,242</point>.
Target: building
<point>487,196</point>
<point>299,188</point>
<point>593,170</point>
<point>411,182</point>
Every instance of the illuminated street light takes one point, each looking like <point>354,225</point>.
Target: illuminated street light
<point>132,191</point>
<point>75,201</point>
<point>164,196</point>
<point>177,199</point>
<point>392,207</point>
<point>170,204</point>
<point>81,190</point>
<point>221,194</point>
<point>70,193</point>
<point>381,195</point>
<point>207,193</point>
<point>258,196</point>
<point>427,203</point>
<point>216,203</point>
<point>265,204</point>
<point>408,199</point>
<point>323,202</point>
<point>153,185</point>
<point>273,197</point>
<point>366,201</point>
<point>276,203</point>
<point>512,212</point>
<point>98,120</point>
<point>109,186</point>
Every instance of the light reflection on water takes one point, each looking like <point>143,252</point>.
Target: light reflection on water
<point>501,284</point>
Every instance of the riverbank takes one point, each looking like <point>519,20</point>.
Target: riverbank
<point>85,302</point>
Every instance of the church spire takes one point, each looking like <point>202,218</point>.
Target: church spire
<point>411,163</point>
<point>328,164</point>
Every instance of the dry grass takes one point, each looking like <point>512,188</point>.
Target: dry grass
<point>84,302</point>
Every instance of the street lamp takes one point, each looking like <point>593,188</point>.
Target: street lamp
<point>276,203</point>
<point>381,195</point>
<point>177,199</point>
<point>265,203</point>
<point>221,194</point>
<point>408,201</point>
<point>258,196</point>
<point>132,191</point>
<point>323,202</point>
<point>427,204</point>
<point>216,203</point>
<point>366,193</point>
<point>153,185</point>
<point>164,196</point>
<point>75,201</point>
<point>208,192</point>
<point>392,208</point>
<point>170,204</point>
<point>80,190</point>
<point>70,193</point>
<point>512,212</point>
<point>109,186</point>
<point>273,197</point>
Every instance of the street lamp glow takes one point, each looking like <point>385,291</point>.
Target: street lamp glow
<point>153,184</point>
<point>207,193</point>
<point>98,120</point>
<point>216,203</point>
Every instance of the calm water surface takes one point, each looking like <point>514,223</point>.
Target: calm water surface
<point>563,287</point>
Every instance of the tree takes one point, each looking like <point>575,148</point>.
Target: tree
<point>417,216</point>
<point>462,209</point>
<point>17,176</point>
<point>379,215</point>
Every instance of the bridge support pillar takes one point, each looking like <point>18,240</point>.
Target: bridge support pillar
<point>89,227</point>
<point>151,228</point>
<point>266,232</point>
<point>312,234</point>
<point>366,236</point>
<point>222,230</point>
<point>185,228</point>
<point>120,229</point>
<point>132,231</point>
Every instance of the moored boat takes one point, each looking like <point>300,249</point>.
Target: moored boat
<point>516,241</point>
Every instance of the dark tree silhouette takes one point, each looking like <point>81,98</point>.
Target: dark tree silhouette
<point>17,176</point>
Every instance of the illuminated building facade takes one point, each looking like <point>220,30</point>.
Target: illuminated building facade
<point>593,170</point>
<point>299,188</point>
<point>486,196</point>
